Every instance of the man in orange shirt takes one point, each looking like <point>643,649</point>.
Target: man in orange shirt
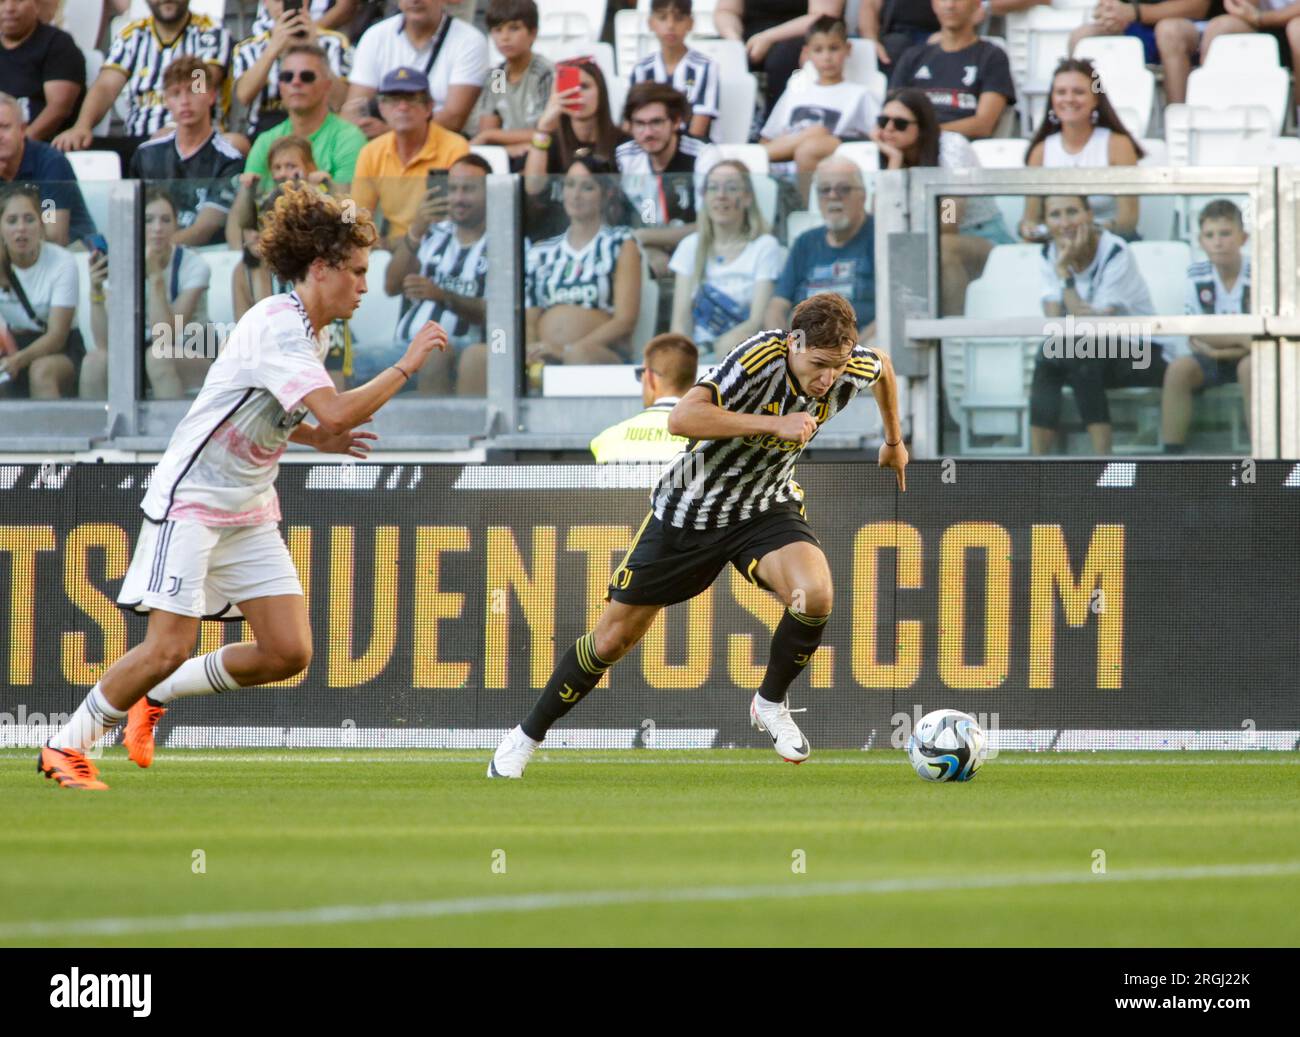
<point>392,170</point>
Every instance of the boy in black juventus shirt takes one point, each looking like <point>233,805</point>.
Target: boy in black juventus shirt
<point>729,498</point>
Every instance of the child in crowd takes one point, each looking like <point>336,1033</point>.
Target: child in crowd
<point>690,72</point>
<point>516,90</point>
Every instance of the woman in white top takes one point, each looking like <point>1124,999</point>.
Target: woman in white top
<point>725,270</point>
<point>908,135</point>
<point>1081,130</point>
<point>1089,272</point>
<point>39,355</point>
<point>176,287</point>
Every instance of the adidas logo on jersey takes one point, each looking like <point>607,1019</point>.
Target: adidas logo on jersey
<point>923,73</point>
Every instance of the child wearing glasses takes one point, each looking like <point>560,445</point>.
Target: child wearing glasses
<point>811,119</point>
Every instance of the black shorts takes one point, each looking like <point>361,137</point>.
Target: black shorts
<point>666,565</point>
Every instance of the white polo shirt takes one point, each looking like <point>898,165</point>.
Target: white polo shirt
<point>385,46</point>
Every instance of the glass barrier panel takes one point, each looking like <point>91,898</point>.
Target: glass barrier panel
<point>1084,387</point>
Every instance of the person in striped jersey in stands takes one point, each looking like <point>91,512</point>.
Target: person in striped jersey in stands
<point>730,498</point>
<point>440,266</point>
<point>136,61</point>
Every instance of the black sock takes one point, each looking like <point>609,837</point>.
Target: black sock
<point>796,638</point>
<point>1175,448</point>
<point>579,671</point>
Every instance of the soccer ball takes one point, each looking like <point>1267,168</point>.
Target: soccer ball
<point>947,745</point>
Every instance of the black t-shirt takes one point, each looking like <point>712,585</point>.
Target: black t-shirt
<point>954,80</point>
<point>204,180</point>
<point>761,15</point>
<point>47,54</point>
<point>908,15</point>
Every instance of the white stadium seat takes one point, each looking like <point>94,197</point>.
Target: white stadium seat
<point>560,49</point>
<point>1244,52</point>
<point>1000,152</point>
<point>494,154</point>
<point>797,223</point>
<point>96,165</point>
<point>570,19</point>
<point>1163,266</point>
<point>1221,87</point>
<point>633,40</point>
<point>1131,86</point>
<point>80,20</point>
<point>1201,136</point>
<point>1037,39</point>
<point>648,316</point>
<point>735,110</point>
<point>221,297</point>
<point>1155,152</point>
<point>375,321</point>
<point>753,155</point>
<point>866,153</point>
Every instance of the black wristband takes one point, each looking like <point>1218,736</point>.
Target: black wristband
<point>401,372</point>
<point>895,443</point>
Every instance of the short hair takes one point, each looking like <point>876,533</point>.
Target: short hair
<point>827,23</point>
<point>825,320</point>
<point>306,225</point>
<point>675,359</point>
<point>292,142</point>
<point>501,11</point>
<point>650,92</point>
<point>13,102</point>
<point>1221,209</point>
<point>313,50</point>
<point>181,72</point>
<point>477,161</point>
<point>682,7</point>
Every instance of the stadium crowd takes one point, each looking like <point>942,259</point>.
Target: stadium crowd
<point>651,204</point>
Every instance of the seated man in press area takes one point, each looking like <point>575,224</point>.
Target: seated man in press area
<point>838,257</point>
<point>666,373</point>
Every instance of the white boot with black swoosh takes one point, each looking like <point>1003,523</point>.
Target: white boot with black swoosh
<point>775,719</point>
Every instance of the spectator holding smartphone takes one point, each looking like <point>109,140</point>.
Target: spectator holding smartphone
<point>440,268</point>
<point>392,169</point>
<point>40,351</point>
<point>255,65</point>
<point>516,91</point>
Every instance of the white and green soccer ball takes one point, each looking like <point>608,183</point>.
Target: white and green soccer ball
<point>947,745</point>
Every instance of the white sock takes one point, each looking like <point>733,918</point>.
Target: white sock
<point>92,720</point>
<point>202,675</point>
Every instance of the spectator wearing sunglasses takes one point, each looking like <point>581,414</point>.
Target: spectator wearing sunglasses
<point>305,83</point>
<point>255,65</point>
<point>666,373</point>
<point>908,135</point>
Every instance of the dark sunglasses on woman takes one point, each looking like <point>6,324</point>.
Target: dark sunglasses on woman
<point>899,123</point>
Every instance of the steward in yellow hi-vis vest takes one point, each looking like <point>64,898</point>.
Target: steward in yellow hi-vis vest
<point>642,438</point>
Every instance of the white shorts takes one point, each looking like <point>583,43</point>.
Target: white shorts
<point>206,571</point>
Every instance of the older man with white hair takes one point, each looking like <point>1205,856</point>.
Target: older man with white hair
<point>838,257</point>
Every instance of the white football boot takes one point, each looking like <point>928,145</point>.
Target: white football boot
<point>512,755</point>
<point>774,718</point>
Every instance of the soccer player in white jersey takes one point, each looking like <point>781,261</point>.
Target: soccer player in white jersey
<point>729,497</point>
<point>210,546</point>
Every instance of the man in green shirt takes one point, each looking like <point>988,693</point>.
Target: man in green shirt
<point>666,374</point>
<point>305,82</point>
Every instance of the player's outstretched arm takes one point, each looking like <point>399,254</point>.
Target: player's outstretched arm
<point>340,412</point>
<point>696,416</point>
<point>893,454</point>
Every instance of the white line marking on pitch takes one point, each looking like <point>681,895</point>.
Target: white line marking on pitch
<point>525,902</point>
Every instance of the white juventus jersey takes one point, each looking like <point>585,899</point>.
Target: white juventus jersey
<point>556,274</point>
<point>696,76</point>
<point>456,268</point>
<point>717,482</point>
<point>221,463</point>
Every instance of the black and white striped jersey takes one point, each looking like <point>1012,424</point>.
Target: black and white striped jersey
<point>453,267</point>
<point>696,76</point>
<point>556,274</point>
<point>718,482</point>
<point>140,53</point>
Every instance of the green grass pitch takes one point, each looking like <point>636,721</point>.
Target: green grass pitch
<point>652,848</point>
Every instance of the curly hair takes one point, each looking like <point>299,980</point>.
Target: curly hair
<point>306,225</point>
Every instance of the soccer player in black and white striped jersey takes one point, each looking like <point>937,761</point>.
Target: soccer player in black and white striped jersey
<point>730,498</point>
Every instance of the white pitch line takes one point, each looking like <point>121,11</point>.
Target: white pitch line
<point>526,902</point>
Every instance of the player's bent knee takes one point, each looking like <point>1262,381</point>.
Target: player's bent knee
<point>813,601</point>
<point>291,661</point>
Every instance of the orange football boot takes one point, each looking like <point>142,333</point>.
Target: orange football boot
<point>69,768</point>
<point>141,719</point>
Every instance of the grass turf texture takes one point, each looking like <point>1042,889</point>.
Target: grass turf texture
<point>289,831</point>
